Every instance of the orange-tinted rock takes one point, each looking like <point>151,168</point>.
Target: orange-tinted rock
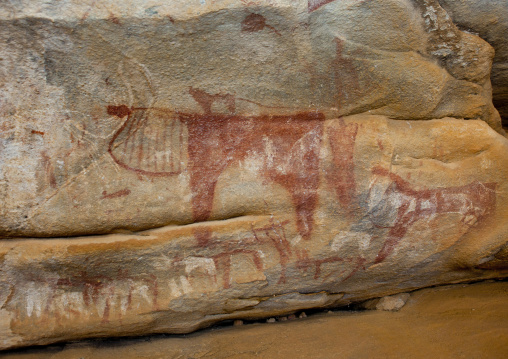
<point>414,211</point>
<point>222,161</point>
<point>86,99</point>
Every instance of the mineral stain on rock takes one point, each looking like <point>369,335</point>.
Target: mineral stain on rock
<point>119,111</point>
<point>255,23</point>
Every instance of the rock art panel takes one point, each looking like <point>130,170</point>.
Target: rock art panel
<point>92,108</point>
<point>287,147</point>
<point>379,227</point>
<point>473,202</point>
<point>163,168</point>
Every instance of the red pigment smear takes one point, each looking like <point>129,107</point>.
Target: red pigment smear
<point>105,315</point>
<point>113,18</point>
<point>118,111</point>
<point>476,200</point>
<point>345,73</point>
<point>303,262</point>
<point>223,261</point>
<point>221,251</point>
<point>316,4</point>
<point>48,167</point>
<point>218,141</point>
<point>92,288</point>
<point>123,275</point>
<point>121,193</point>
<point>255,23</point>
<point>275,235</point>
<point>320,262</point>
<point>203,235</point>
<point>206,100</point>
<point>341,176</point>
<point>359,263</point>
<point>153,284</point>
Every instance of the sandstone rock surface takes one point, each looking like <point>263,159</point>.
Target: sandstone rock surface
<point>390,303</point>
<point>488,19</point>
<point>97,99</point>
<point>166,167</point>
<point>459,319</point>
<point>402,205</point>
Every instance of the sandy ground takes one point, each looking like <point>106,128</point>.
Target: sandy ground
<point>460,321</point>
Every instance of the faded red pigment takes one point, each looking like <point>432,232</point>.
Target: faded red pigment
<point>48,169</point>
<point>95,288</point>
<point>217,141</point>
<point>344,70</point>
<point>341,176</point>
<point>256,23</point>
<point>206,100</point>
<point>475,201</point>
<point>316,4</point>
<point>122,193</point>
<point>273,235</point>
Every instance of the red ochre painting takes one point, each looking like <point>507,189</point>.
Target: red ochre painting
<point>289,146</point>
<point>151,142</point>
<point>316,4</point>
<point>158,142</point>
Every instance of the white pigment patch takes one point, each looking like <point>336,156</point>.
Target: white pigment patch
<point>346,238</point>
<point>207,265</point>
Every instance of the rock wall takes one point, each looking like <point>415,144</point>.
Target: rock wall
<point>165,167</point>
<point>489,20</point>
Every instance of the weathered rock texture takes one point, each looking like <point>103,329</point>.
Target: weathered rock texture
<point>459,320</point>
<point>253,159</point>
<point>386,206</point>
<point>488,19</point>
<point>97,99</point>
